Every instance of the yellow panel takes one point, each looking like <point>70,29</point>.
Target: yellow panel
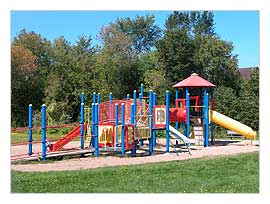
<point>105,134</point>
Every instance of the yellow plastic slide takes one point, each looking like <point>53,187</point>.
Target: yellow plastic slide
<point>231,124</point>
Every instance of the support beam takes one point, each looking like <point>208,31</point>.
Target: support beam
<point>123,129</point>
<point>212,124</point>
<point>167,120</point>
<point>177,123</point>
<point>151,122</point>
<point>188,113</point>
<point>30,126</point>
<point>43,132</point>
<point>82,127</point>
<point>206,117</point>
<point>110,111</point>
<point>96,130</point>
<point>132,121</point>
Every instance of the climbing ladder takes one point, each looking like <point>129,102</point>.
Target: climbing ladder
<point>198,132</point>
<point>142,122</point>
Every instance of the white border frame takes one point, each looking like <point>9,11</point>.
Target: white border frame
<point>262,5</point>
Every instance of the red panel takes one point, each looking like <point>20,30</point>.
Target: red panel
<point>194,81</point>
<point>178,115</point>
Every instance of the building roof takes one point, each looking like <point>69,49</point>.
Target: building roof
<point>194,81</point>
<point>246,72</point>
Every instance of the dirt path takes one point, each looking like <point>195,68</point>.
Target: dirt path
<point>95,162</point>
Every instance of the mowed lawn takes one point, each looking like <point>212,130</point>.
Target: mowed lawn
<point>219,174</point>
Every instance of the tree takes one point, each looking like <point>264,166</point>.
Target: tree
<point>24,80</point>
<point>142,31</point>
<point>39,46</point>
<point>117,63</point>
<point>41,50</point>
<point>71,74</point>
<point>156,81</point>
<point>227,102</point>
<point>249,100</point>
<point>175,51</point>
<point>194,23</point>
<point>214,60</point>
<point>190,45</point>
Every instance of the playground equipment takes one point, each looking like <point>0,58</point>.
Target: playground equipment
<point>123,125</point>
<point>200,110</point>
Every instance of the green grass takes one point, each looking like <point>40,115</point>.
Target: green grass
<point>54,134</point>
<point>219,174</point>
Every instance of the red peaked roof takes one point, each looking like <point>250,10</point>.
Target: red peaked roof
<point>194,81</point>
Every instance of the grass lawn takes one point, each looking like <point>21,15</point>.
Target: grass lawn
<point>219,174</point>
<point>54,134</point>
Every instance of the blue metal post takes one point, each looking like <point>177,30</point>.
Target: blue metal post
<point>82,126</point>
<point>154,132</point>
<point>93,125</point>
<point>132,121</point>
<point>167,120</point>
<point>82,97</point>
<point>123,129</point>
<point>140,99</point>
<point>110,113</point>
<point>135,101</point>
<point>142,90</point>
<point>176,124</point>
<point>43,138</point>
<point>94,97</point>
<point>176,97</point>
<point>206,117</point>
<point>96,130</point>
<point>93,120</point>
<point>151,122</point>
<point>188,113</point>
<point>98,98</point>
<point>212,124</point>
<point>128,97</point>
<point>30,126</point>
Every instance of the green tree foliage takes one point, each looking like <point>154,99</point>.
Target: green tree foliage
<point>39,46</point>
<point>142,31</point>
<point>244,106</point>
<point>117,63</point>
<point>191,45</point>
<point>249,101</point>
<point>156,81</point>
<point>24,80</point>
<point>227,102</point>
<point>71,74</point>
<point>42,50</point>
<point>132,51</point>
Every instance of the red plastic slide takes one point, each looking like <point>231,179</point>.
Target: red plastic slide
<point>66,139</point>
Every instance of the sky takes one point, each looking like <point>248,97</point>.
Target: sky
<point>239,27</point>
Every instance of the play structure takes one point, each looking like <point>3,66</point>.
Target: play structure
<point>125,125</point>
